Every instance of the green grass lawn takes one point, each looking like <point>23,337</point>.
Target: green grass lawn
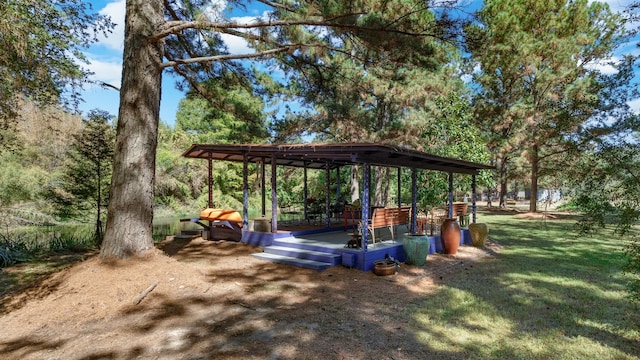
<point>549,294</point>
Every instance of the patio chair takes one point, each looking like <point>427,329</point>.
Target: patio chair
<point>435,219</point>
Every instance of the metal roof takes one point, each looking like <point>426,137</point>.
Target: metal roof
<point>317,156</point>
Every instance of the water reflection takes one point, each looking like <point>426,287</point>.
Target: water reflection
<point>41,236</point>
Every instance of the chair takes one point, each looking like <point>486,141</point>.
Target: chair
<point>436,218</point>
<point>352,213</point>
<point>460,210</point>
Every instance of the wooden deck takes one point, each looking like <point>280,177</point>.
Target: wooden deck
<point>321,247</point>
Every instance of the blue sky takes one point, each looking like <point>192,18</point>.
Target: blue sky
<point>106,60</point>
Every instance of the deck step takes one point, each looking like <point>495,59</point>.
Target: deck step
<point>290,260</point>
<point>325,257</point>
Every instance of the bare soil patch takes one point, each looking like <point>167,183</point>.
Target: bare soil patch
<point>212,300</point>
<point>535,216</point>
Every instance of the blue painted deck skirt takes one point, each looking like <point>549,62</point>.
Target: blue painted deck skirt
<point>322,248</point>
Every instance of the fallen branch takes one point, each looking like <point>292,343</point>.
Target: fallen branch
<point>145,293</point>
<point>241,304</point>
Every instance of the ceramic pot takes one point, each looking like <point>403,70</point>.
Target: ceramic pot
<point>416,247</point>
<point>450,235</point>
<point>479,233</point>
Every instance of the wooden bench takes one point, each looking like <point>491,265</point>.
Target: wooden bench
<point>389,218</point>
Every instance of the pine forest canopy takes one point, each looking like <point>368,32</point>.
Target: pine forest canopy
<point>537,84</point>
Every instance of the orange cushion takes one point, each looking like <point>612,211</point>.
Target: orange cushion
<point>220,214</point>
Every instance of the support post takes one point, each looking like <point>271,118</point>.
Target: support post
<point>414,199</point>
<point>210,182</point>
<point>327,196</point>
<point>338,193</point>
<point>366,183</point>
<point>245,192</point>
<point>305,193</point>
<point>450,212</point>
<point>399,187</point>
<point>274,196</point>
<point>264,188</point>
<point>473,198</point>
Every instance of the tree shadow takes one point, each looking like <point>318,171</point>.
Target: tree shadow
<point>536,288</point>
<point>541,287</point>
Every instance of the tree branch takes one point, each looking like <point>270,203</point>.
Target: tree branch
<point>203,59</point>
<point>276,6</point>
<point>107,85</point>
<point>173,27</point>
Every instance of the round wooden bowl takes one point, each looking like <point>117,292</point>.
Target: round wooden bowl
<point>384,267</point>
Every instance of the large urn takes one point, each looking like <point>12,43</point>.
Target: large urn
<point>416,247</point>
<point>479,233</point>
<point>450,235</point>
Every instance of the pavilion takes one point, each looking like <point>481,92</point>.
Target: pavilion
<point>331,157</point>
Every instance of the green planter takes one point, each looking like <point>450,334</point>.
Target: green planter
<point>416,247</point>
<point>479,233</point>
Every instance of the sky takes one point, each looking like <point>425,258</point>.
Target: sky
<point>106,60</point>
<point>106,63</point>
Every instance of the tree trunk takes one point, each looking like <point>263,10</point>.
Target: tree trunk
<point>98,234</point>
<point>382,186</point>
<point>503,182</point>
<point>130,212</point>
<point>533,199</point>
<point>355,184</point>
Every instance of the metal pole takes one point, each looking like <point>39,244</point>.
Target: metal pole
<point>210,204</point>
<point>264,188</point>
<point>414,200</point>
<point>274,197</point>
<point>450,214</point>
<point>245,192</point>
<point>338,194</point>
<point>473,198</point>
<point>305,193</point>
<point>327,200</point>
<point>366,183</point>
<point>399,187</point>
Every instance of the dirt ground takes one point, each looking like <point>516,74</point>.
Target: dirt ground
<point>212,300</point>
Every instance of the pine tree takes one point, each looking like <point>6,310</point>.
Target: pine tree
<point>536,83</point>
<point>84,185</point>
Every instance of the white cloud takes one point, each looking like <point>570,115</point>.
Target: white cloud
<point>604,66</point>
<point>236,45</point>
<point>116,11</point>
<point>615,5</point>
<point>215,11</point>
<point>109,72</point>
<point>635,106</point>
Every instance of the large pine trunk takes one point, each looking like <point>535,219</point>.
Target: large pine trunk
<point>503,172</point>
<point>535,162</point>
<point>382,186</point>
<point>130,213</point>
<point>355,184</point>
